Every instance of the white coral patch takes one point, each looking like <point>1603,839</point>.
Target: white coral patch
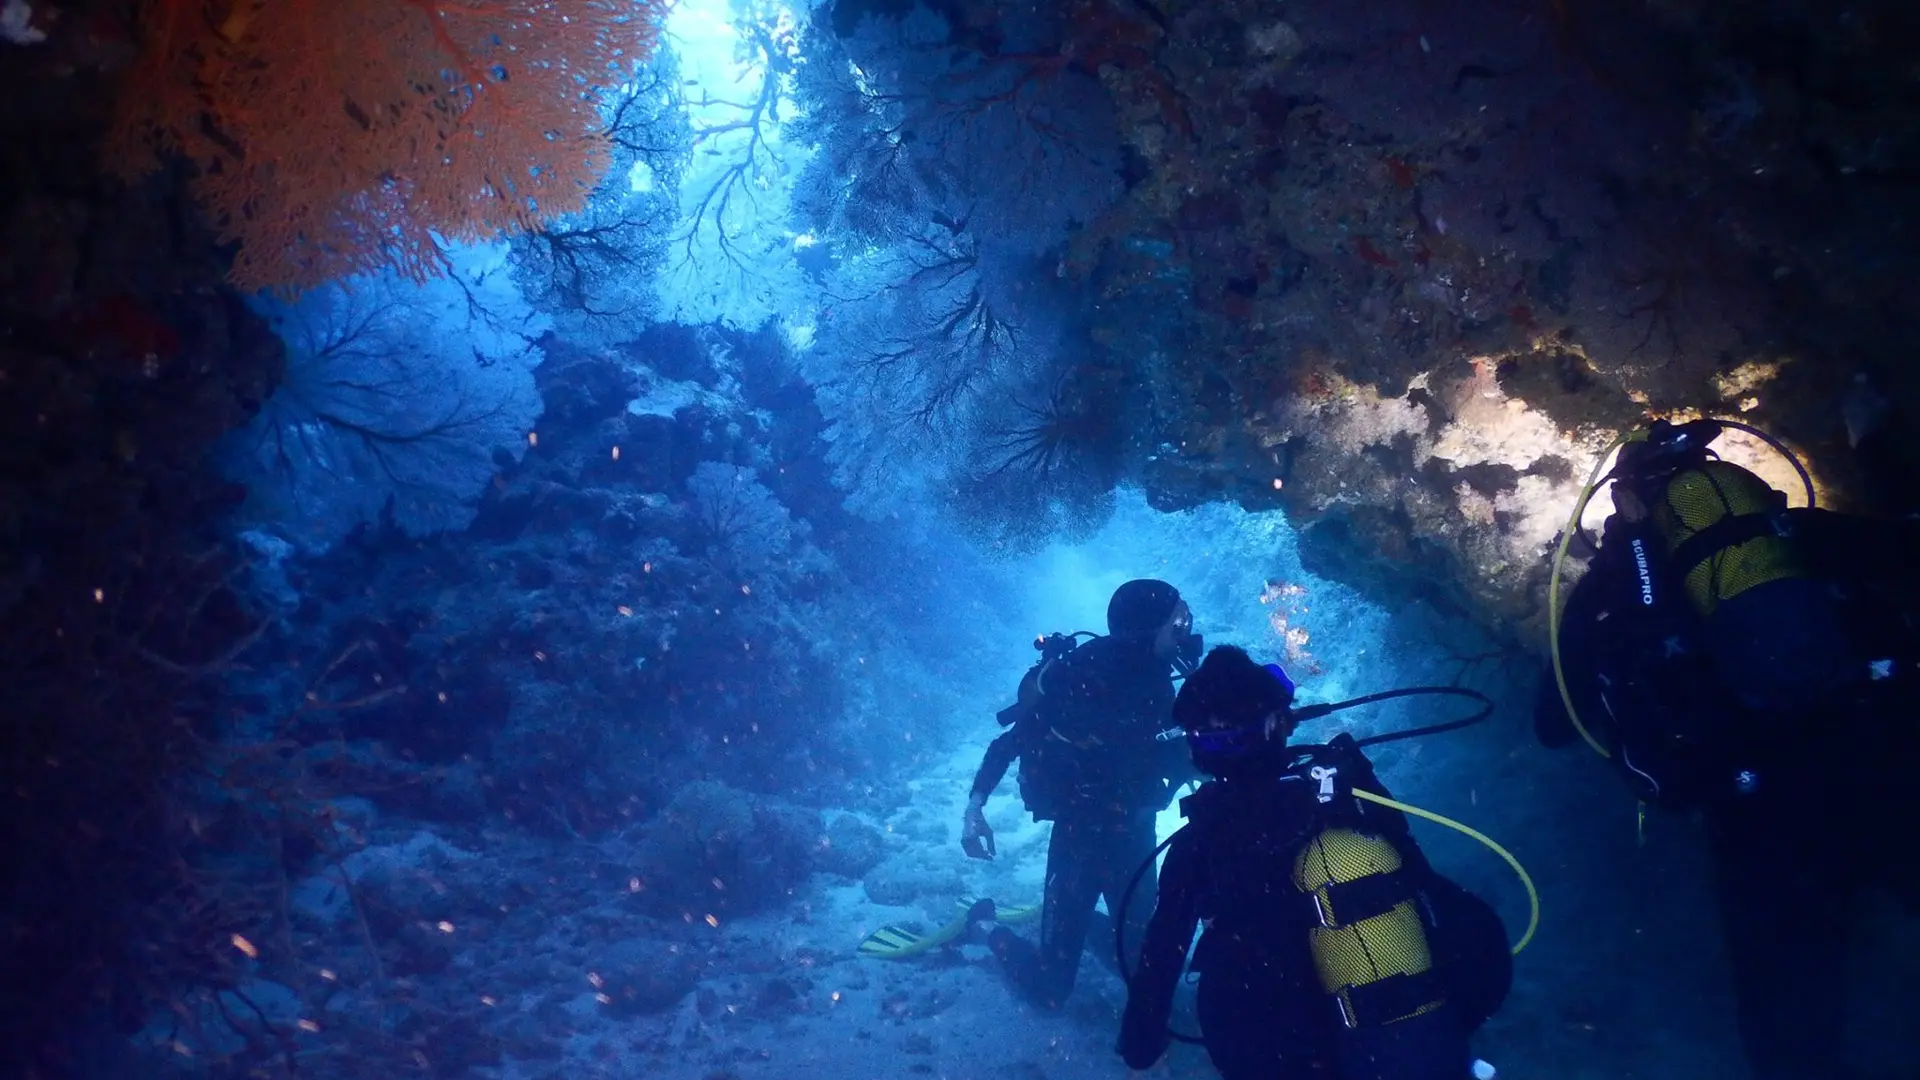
<point>1356,417</point>
<point>1490,428</point>
<point>1500,431</point>
<point>1747,378</point>
<point>1539,509</point>
<point>16,24</point>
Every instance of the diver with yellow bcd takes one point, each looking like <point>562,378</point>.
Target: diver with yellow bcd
<point>1332,948</point>
<point>1741,658</point>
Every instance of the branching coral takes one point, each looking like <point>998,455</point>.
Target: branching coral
<point>1073,427</point>
<point>335,137</point>
<point>742,525</point>
<point>383,412</point>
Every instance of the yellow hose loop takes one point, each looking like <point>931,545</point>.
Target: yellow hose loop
<point>1553,589</point>
<point>1533,894</point>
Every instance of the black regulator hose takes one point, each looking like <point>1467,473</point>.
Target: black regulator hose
<point>1120,932</point>
<point>1315,712</point>
<point>1780,448</point>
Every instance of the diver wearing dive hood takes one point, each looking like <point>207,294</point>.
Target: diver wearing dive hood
<point>1746,660</point>
<point>1332,949</point>
<point>1086,735</point>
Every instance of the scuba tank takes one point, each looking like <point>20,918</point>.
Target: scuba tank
<point>1368,894</point>
<point>1033,684</point>
<point>1054,770</point>
<point>1408,959</point>
<point>1045,785</point>
<point>1072,752</point>
<point>1370,942</point>
<point>1404,957</point>
<point>1725,530</point>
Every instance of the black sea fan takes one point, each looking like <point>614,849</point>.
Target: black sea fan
<point>1043,470</point>
<point>1074,429</point>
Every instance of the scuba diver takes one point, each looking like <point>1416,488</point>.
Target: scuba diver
<point>1085,731</point>
<point>1331,948</point>
<point>1756,664</point>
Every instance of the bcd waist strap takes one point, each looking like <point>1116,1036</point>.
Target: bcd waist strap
<point>1395,997</point>
<point>1343,903</point>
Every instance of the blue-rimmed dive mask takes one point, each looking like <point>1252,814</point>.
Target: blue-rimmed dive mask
<point>1215,748</point>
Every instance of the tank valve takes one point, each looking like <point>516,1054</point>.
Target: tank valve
<point>1325,775</point>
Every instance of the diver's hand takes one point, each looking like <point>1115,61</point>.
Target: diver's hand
<point>976,839</point>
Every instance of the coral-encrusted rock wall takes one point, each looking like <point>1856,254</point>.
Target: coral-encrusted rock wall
<point>123,358</point>
<point>1429,257</point>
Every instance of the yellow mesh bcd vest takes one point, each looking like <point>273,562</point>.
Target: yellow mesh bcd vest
<point>1700,497</point>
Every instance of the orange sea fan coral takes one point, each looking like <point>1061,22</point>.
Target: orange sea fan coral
<point>337,137</point>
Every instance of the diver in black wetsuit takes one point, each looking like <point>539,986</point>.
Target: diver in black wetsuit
<point>1332,950</point>
<point>1756,664</point>
<point>1091,762</point>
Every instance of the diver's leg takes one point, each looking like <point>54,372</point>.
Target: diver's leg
<point>1784,893</point>
<point>1043,972</point>
<point>1126,847</point>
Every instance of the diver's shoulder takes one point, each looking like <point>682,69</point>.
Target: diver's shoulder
<point>1096,655</point>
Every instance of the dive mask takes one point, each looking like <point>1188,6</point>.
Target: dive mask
<point>1222,750</point>
<point>1220,744</point>
<point>1187,652</point>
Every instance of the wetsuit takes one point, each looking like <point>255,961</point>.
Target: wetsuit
<point>1091,763</point>
<point>1639,673</point>
<point>1262,1011</point>
<point>1792,844</point>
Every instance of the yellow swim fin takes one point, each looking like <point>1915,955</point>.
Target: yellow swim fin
<point>899,943</point>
